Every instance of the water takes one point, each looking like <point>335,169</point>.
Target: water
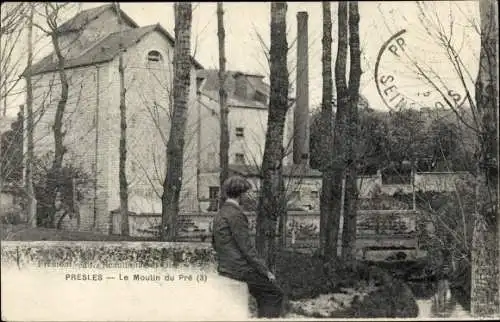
<point>437,300</point>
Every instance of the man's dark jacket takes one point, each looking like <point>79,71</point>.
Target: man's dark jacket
<point>235,252</point>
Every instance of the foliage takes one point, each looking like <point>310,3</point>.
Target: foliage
<point>449,242</point>
<point>71,183</point>
<point>447,213</point>
<point>407,135</point>
<point>373,143</point>
<point>394,301</point>
<point>24,232</point>
<point>303,276</point>
<point>315,125</point>
<point>11,152</point>
<point>387,139</point>
<point>444,144</point>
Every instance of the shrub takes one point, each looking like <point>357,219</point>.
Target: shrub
<point>394,300</point>
<point>449,243</point>
<point>72,184</point>
<point>300,275</point>
<point>303,276</point>
<point>11,218</point>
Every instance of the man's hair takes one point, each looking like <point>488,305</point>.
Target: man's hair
<point>235,186</point>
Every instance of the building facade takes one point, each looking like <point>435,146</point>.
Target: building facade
<point>248,101</point>
<point>90,42</point>
<point>91,45</point>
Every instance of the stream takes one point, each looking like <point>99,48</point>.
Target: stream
<point>438,300</point>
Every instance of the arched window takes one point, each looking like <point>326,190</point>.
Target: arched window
<point>154,56</point>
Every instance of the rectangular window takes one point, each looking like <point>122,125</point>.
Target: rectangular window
<point>240,132</point>
<point>314,194</point>
<point>199,81</point>
<point>213,196</point>
<point>239,158</point>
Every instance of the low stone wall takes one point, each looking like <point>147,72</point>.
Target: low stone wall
<point>106,281</point>
<point>107,254</point>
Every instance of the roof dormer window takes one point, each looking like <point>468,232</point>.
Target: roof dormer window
<point>154,56</point>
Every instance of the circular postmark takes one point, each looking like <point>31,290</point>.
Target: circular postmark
<point>413,72</point>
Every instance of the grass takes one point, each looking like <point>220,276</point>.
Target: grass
<point>24,232</point>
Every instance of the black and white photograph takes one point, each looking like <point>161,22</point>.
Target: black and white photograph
<point>237,161</point>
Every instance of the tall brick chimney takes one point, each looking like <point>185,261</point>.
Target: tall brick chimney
<point>301,113</point>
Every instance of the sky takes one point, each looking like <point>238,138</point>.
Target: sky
<point>244,21</point>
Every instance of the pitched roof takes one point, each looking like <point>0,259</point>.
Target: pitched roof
<point>104,50</point>
<point>288,170</point>
<point>212,77</point>
<point>258,84</point>
<point>234,101</point>
<point>211,87</point>
<point>84,17</point>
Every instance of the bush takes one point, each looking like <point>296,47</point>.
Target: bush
<point>57,191</point>
<point>394,300</point>
<point>303,276</point>
<point>448,245</point>
<point>11,218</point>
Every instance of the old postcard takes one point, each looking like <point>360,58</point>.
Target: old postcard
<point>235,161</point>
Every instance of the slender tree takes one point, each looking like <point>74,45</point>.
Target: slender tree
<point>224,111</point>
<point>351,190</point>
<point>30,125</point>
<point>13,20</point>
<point>484,125</point>
<point>271,200</point>
<point>175,147</point>
<point>485,248</point>
<point>326,124</point>
<point>52,14</point>
<point>123,134</point>
<point>478,121</point>
<point>59,133</point>
<point>339,163</point>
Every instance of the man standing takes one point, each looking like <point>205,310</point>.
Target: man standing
<point>236,254</point>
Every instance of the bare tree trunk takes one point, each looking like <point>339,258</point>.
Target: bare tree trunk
<point>55,175</point>
<point>4,113</point>
<point>224,111</point>
<point>332,222</point>
<point>175,147</point>
<point>123,138</point>
<point>30,127</point>
<point>326,198</point>
<point>271,199</point>
<point>54,182</point>
<point>485,249</point>
<point>350,206</point>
